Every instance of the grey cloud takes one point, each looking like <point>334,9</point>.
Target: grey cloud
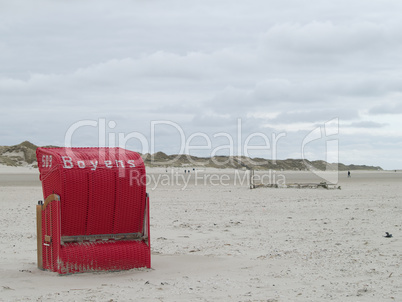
<point>366,124</point>
<point>273,90</point>
<point>213,121</point>
<point>201,65</point>
<point>383,150</point>
<point>326,37</point>
<point>386,108</point>
<point>314,115</point>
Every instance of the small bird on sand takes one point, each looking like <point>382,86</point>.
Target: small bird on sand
<point>388,235</point>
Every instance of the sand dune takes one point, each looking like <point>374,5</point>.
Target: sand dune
<point>229,243</point>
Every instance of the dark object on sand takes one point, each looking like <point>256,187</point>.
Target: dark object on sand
<point>388,235</point>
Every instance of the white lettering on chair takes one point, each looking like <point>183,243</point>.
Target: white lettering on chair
<point>94,164</point>
<point>108,164</point>
<point>67,162</point>
<point>131,163</point>
<point>121,163</point>
<point>46,161</point>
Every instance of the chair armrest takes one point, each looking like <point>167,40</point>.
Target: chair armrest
<point>49,199</point>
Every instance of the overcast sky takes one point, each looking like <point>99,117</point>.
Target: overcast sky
<point>316,75</point>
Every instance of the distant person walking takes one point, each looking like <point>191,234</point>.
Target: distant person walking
<point>349,174</point>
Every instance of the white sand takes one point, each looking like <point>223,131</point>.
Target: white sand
<point>229,243</point>
<point>17,170</point>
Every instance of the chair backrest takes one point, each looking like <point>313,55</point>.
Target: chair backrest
<point>102,190</point>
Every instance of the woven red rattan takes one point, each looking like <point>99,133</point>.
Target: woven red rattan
<point>99,219</point>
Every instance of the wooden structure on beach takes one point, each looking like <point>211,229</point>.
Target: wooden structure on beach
<point>323,185</point>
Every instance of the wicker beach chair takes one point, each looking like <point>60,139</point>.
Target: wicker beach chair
<point>95,214</point>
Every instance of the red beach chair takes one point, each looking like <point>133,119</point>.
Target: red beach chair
<point>95,216</point>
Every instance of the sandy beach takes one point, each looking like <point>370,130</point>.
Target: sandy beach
<point>214,239</point>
